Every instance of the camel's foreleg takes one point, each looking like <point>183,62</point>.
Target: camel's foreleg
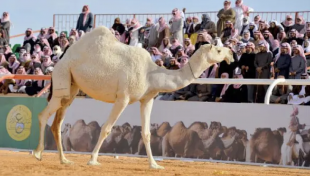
<point>118,108</point>
<point>146,108</point>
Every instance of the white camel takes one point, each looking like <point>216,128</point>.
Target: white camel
<point>110,71</point>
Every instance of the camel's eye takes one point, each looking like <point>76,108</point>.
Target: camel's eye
<point>219,51</point>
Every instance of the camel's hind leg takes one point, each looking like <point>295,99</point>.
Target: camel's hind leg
<point>146,108</point>
<point>56,127</point>
<point>55,104</point>
<point>119,106</point>
<point>56,130</point>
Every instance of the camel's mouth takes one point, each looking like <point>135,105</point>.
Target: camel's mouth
<point>229,58</point>
<point>229,61</point>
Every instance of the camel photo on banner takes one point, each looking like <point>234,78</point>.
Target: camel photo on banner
<point>252,133</point>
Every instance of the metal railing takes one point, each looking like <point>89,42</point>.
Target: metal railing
<point>271,82</point>
<point>28,77</point>
<point>65,22</point>
<point>24,77</point>
<point>23,34</point>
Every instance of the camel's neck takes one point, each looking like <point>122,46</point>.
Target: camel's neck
<point>171,80</point>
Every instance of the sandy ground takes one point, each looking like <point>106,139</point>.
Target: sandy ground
<point>23,164</point>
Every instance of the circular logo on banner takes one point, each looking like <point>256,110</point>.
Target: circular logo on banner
<point>18,122</point>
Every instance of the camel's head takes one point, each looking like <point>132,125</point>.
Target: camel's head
<point>154,126</point>
<point>215,125</point>
<point>281,130</point>
<point>127,126</point>
<point>68,125</point>
<point>242,134</point>
<point>216,132</point>
<point>125,129</point>
<point>224,129</point>
<point>232,131</point>
<point>117,130</point>
<point>215,54</point>
<point>134,134</point>
<point>67,128</point>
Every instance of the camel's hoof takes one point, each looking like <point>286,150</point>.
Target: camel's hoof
<point>38,155</point>
<point>156,166</point>
<point>65,161</point>
<point>93,163</point>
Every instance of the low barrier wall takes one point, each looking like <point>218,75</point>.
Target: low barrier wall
<point>229,132</point>
<point>234,132</point>
<point>19,126</point>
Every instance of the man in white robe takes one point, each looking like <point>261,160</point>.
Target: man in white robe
<point>293,134</point>
<point>241,11</point>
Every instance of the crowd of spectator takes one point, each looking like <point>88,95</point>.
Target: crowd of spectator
<point>261,49</point>
<point>37,55</point>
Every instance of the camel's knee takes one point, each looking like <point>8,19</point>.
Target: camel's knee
<point>50,109</point>
<point>42,118</point>
<point>65,101</point>
<point>146,135</point>
<point>44,115</point>
<point>105,131</point>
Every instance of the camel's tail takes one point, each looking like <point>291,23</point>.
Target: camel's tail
<point>60,81</point>
<point>51,92</point>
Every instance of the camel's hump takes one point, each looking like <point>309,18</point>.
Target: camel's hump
<point>102,30</point>
<point>179,124</point>
<point>80,122</point>
<point>165,124</point>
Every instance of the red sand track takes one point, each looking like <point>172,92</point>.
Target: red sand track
<point>18,163</point>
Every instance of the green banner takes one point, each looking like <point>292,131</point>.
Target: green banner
<point>19,125</point>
